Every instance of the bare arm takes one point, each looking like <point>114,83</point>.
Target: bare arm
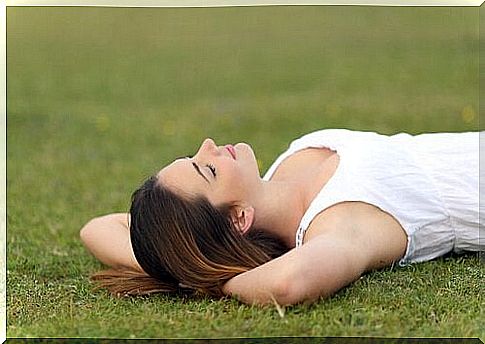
<point>319,268</point>
<point>339,255</point>
<point>108,239</point>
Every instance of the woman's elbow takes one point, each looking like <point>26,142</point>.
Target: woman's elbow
<point>89,231</point>
<point>300,285</point>
<point>289,291</point>
<point>86,233</point>
<point>278,290</point>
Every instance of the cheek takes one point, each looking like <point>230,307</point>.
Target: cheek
<point>230,186</point>
<point>237,175</point>
<point>230,178</point>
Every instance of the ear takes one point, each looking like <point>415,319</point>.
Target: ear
<point>242,217</point>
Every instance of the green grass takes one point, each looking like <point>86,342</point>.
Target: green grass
<point>100,98</point>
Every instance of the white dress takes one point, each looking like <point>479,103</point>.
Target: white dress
<point>429,183</point>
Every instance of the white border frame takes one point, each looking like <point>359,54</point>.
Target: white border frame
<point>137,3</point>
<point>230,3</point>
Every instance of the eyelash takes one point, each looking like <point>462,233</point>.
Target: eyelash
<point>211,168</point>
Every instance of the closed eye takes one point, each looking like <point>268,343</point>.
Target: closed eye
<point>212,169</point>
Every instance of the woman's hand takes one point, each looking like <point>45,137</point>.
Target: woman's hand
<point>108,239</point>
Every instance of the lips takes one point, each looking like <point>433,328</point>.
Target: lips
<point>231,151</point>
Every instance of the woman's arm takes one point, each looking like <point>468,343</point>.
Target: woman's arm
<point>108,239</point>
<point>319,268</point>
<point>362,238</point>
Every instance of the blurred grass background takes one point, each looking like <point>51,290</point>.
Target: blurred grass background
<point>100,98</point>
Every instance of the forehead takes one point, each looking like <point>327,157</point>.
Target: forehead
<point>173,172</point>
<point>180,175</point>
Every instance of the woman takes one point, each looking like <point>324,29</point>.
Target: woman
<point>336,204</point>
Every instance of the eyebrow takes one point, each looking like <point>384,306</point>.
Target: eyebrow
<point>199,172</point>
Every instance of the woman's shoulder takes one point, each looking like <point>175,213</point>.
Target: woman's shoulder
<point>333,139</point>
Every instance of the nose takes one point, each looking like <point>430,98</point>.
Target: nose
<point>207,147</point>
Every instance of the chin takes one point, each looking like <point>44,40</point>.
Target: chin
<point>247,156</point>
<point>243,145</point>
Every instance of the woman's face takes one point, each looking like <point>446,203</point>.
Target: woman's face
<point>223,174</point>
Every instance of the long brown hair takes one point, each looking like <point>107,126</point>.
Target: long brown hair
<point>185,244</point>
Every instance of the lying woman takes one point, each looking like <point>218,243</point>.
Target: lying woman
<point>336,204</point>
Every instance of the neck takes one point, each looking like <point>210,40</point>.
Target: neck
<point>280,209</point>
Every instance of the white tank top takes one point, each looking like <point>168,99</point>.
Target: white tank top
<point>429,183</point>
